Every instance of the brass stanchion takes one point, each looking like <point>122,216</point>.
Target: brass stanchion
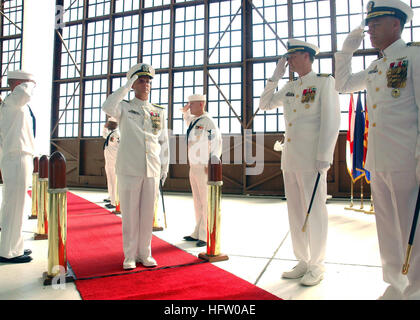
<point>57,218</point>
<point>213,213</point>
<point>42,232</point>
<point>35,187</point>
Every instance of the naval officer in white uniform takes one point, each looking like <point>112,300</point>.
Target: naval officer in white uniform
<point>312,121</point>
<point>16,163</point>
<point>393,157</point>
<point>203,140</point>
<point>111,134</point>
<point>142,160</point>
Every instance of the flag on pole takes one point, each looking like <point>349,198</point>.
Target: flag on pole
<point>355,140</point>
<point>350,135</point>
<point>365,145</point>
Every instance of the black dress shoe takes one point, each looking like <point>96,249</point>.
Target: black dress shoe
<point>20,259</point>
<point>189,238</point>
<point>110,206</point>
<point>27,252</point>
<point>201,243</point>
<point>107,200</point>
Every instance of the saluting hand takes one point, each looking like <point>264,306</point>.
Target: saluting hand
<point>280,70</point>
<point>353,40</point>
<point>186,108</point>
<point>131,81</point>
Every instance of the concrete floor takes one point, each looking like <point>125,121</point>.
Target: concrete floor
<point>255,236</point>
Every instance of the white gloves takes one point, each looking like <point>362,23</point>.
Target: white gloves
<point>130,82</point>
<point>280,70</point>
<point>278,146</point>
<point>163,176</point>
<point>418,171</point>
<point>322,166</point>
<point>353,40</point>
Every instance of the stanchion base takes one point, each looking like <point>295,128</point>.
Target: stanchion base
<point>38,236</point>
<point>368,212</point>
<point>116,212</point>
<point>32,217</point>
<point>157,228</point>
<point>48,280</point>
<point>219,257</point>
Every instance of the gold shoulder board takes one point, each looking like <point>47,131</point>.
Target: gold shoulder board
<point>326,75</point>
<point>158,106</point>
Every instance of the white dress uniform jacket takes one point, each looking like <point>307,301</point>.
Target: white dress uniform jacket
<point>393,152</point>
<point>142,155</point>
<point>16,163</point>
<point>312,121</point>
<point>112,141</point>
<point>204,139</point>
<point>311,126</point>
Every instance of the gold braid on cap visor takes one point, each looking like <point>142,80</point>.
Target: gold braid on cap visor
<point>379,13</point>
<point>142,73</point>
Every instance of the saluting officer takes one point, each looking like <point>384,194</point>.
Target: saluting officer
<point>203,140</point>
<point>393,99</point>
<point>111,134</point>
<point>16,163</point>
<point>142,160</point>
<point>312,121</point>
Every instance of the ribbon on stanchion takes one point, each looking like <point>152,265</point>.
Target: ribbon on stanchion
<point>57,223</point>
<point>35,188</point>
<point>214,183</point>
<point>42,232</point>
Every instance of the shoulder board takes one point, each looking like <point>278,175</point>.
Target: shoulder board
<point>158,106</point>
<point>325,75</point>
<point>126,101</point>
<point>413,44</point>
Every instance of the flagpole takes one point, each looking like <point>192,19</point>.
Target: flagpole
<point>350,207</point>
<point>361,197</point>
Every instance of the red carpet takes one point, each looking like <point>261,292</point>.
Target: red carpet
<point>95,254</point>
<point>95,247</point>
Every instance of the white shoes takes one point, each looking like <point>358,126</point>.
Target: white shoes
<point>298,271</point>
<point>129,264</point>
<point>148,262</point>
<point>309,277</point>
<point>312,278</point>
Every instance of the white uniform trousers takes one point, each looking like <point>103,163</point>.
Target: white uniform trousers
<point>111,179</point>
<point>394,195</point>
<point>137,199</point>
<point>308,246</point>
<point>16,171</point>
<point>199,188</point>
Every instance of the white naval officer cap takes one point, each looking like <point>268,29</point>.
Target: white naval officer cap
<point>141,69</point>
<point>197,97</point>
<point>20,75</point>
<point>294,45</point>
<point>392,8</point>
